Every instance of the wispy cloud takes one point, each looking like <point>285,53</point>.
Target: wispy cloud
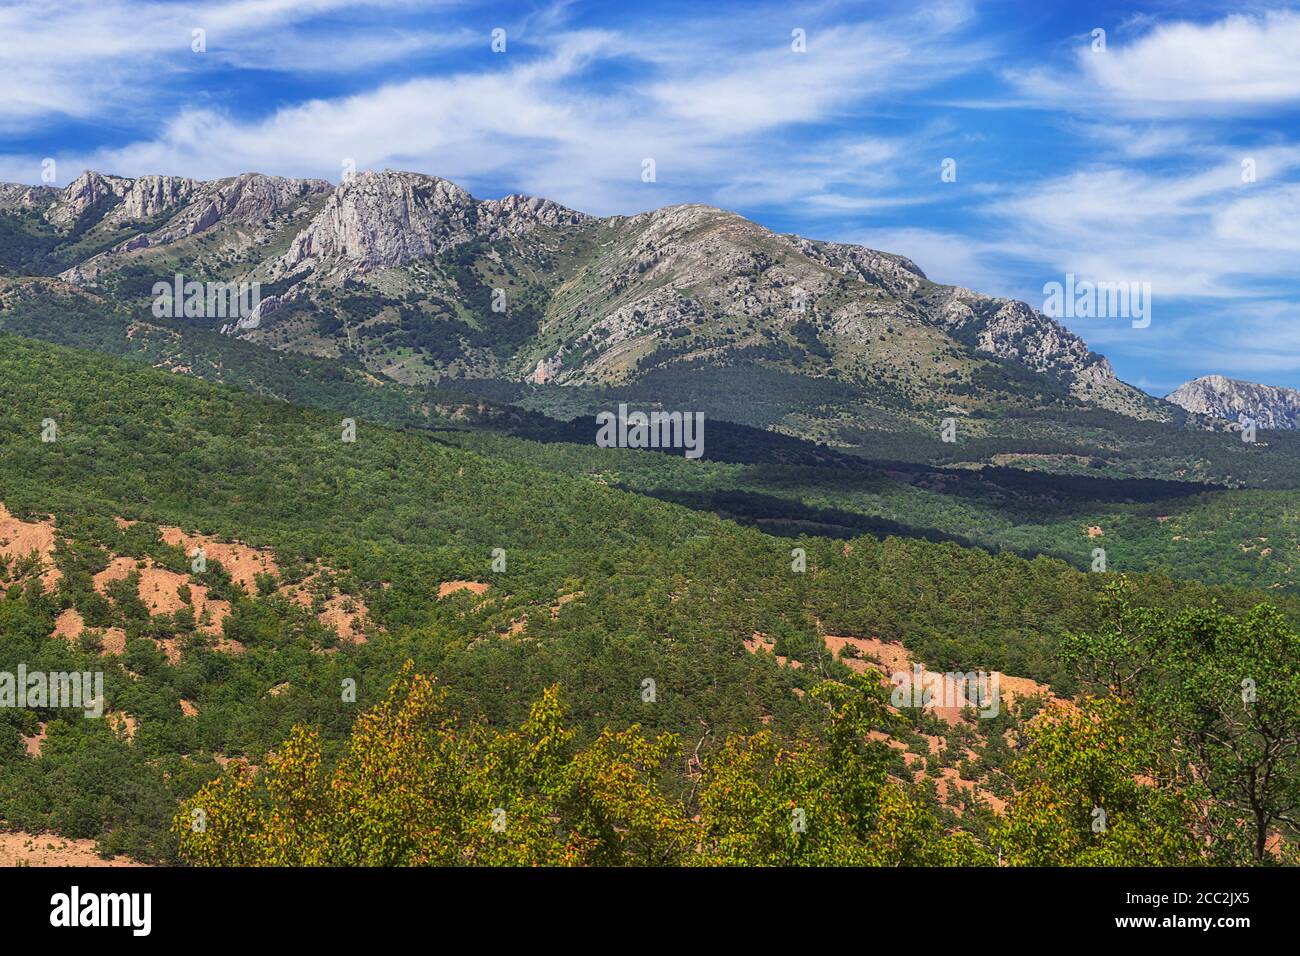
<point>81,58</point>
<point>1174,68</point>
<point>719,122</point>
<point>1201,231</point>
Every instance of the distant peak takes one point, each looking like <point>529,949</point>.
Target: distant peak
<point>1217,396</point>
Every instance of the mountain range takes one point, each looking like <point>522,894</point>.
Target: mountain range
<point>406,279</point>
<point>401,270</point>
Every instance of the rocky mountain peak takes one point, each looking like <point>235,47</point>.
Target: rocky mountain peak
<point>1217,396</point>
<point>380,220</point>
<point>185,207</point>
<point>1015,330</point>
<point>247,198</point>
<point>374,220</point>
<point>88,192</point>
<point>1007,328</point>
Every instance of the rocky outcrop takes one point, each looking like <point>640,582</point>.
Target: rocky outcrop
<point>151,196</point>
<point>381,220</point>
<point>1006,328</point>
<point>546,370</point>
<point>1014,330</point>
<point>518,215</point>
<point>89,193</point>
<point>250,198</point>
<point>898,275</point>
<point>373,221</point>
<point>1268,406</point>
<point>15,197</point>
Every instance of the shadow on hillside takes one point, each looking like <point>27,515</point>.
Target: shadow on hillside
<point>789,518</point>
<point>784,517</point>
<point>830,467</point>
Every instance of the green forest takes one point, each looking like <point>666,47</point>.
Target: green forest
<point>595,698</point>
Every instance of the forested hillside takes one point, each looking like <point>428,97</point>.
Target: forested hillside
<point>504,569</point>
<point>1153,492</point>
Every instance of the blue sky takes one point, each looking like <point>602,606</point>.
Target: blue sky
<point>1119,164</point>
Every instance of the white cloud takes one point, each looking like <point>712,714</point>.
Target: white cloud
<point>1268,223</point>
<point>1140,141</point>
<point>718,121</point>
<point>1195,232</point>
<point>1178,68</point>
<point>842,66</point>
<point>1241,59</point>
<point>83,58</point>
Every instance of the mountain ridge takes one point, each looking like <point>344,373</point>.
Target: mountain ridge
<point>421,281</point>
<point>1236,400</point>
